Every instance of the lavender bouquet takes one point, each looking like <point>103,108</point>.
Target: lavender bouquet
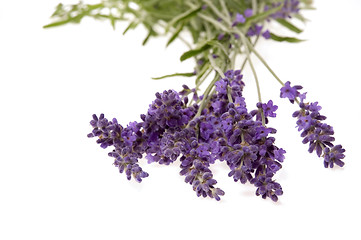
<point>202,127</point>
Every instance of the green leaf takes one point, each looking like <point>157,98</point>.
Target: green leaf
<point>202,71</point>
<point>236,6</point>
<point>131,25</point>
<point>175,34</point>
<point>285,39</point>
<point>194,27</point>
<point>90,7</point>
<point>147,37</point>
<point>55,24</point>
<point>59,10</point>
<point>190,74</point>
<point>220,46</point>
<point>288,25</point>
<point>186,15</point>
<point>260,16</point>
<point>150,33</point>
<point>300,17</point>
<point>66,16</point>
<point>195,52</point>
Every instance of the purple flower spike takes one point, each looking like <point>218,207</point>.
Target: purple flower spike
<point>314,132</point>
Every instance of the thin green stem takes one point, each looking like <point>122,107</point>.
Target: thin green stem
<point>253,70</point>
<point>207,93</point>
<point>164,25</point>
<point>229,96</point>
<point>208,30</point>
<point>203,78</point>
<point>255,77</point>
<point>243,64</point>
<point>242,138</point>
<point>233,60</point>
<point>185,41</point>
<point>215,67</point>
<point>214,22</point>
<point>182,39</point>
<point>254,6</point>
<point>245,60</point>
<point>218,13</point>
<point>249,44</point>
<point>224,8</point>
<point>205,96</point>
<point>268,67</point>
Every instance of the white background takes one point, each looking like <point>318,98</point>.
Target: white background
<point>55,183</point>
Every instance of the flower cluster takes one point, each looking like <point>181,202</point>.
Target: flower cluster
<point>222,130</point>
<point>289,7</point>
<point>124,140</point>
<point>255,29</point>
<point>317,134</point>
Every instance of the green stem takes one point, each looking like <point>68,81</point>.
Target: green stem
<point>208,30</point>
<point>224,8</point>
<point>242,138</point>
<point>233,60</point>
<point>215,67</point>
<point>248,44</point>
<point>229,94</point>
<point>254,6</point>
<point>243,64</point>
<point>214,22</point>
<point>245,60</point>
<point>205,96</point>
<point>218,13</point>
<point>203,78</point>
<point>268,67</point>
<point>185,42</point>
<point>180,38</point>
<point>253,70</point>
<point>255,77</point>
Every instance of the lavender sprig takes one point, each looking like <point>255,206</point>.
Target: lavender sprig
<point>317,134</point>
